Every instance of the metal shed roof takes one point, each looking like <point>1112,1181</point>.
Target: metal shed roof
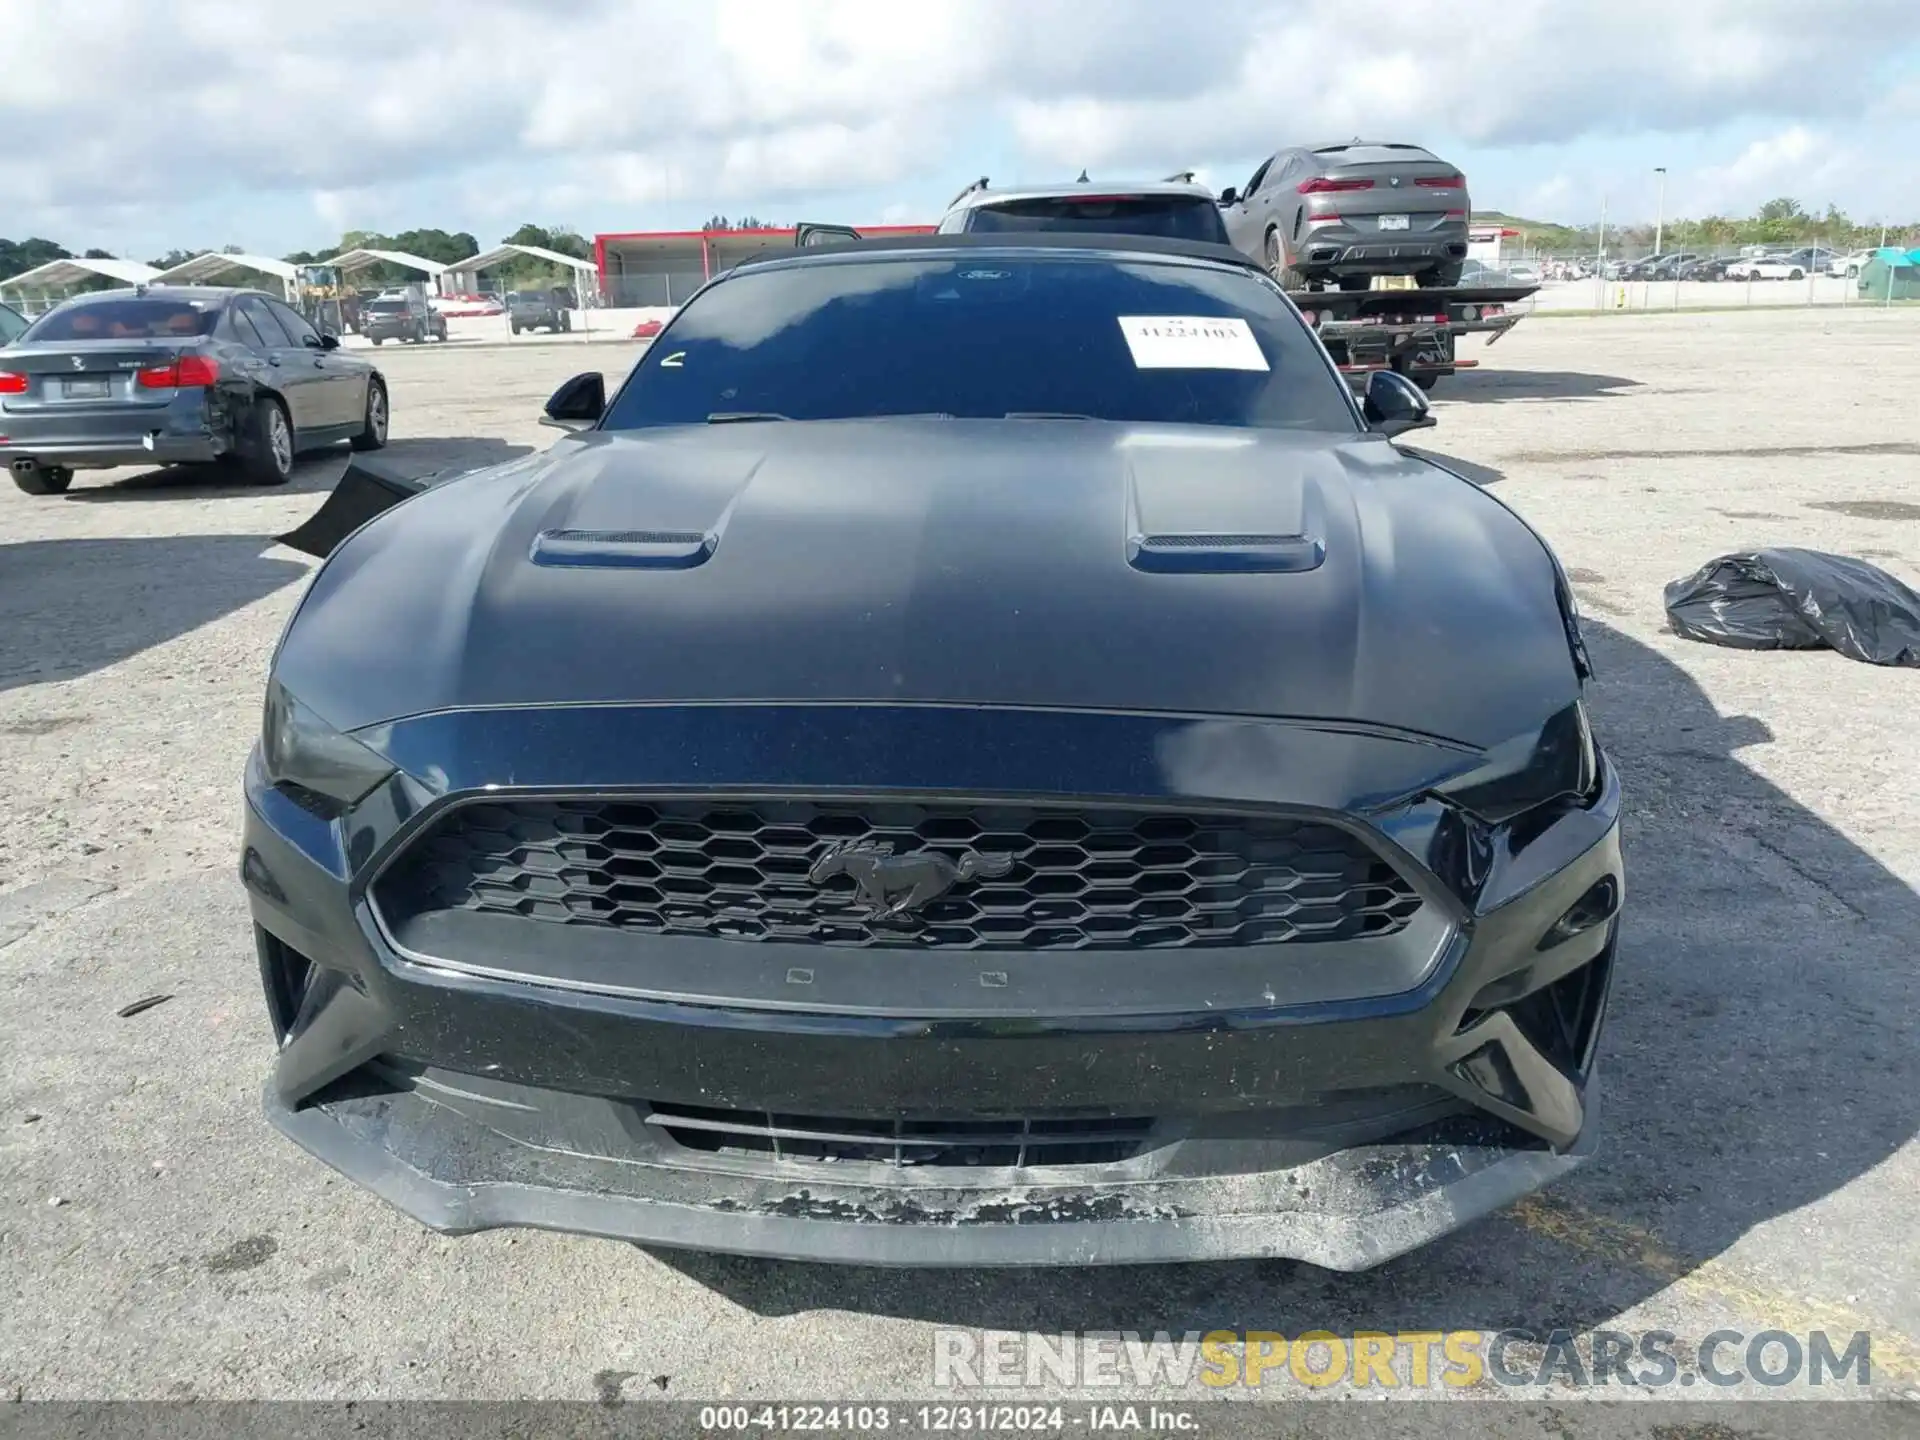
<point>63,274</point>
<point>500,254</point>
<point>360,259</point>
<point>204,268</point>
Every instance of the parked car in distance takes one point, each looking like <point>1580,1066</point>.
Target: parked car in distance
<point>1767,267</point>
<point>1813,260</point>
<point>1523,272</point>
<point>176,375</point>
<point>1347,212</point>
<point>1704,270</point>
<point>404,313</point>
<point>1668,266</point>
<point>550,309</point>
<point>1174,209</point>
<point>1849,265</point>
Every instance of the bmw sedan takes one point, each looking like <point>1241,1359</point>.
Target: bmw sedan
<point>979,751</point>
<point>174,375</point>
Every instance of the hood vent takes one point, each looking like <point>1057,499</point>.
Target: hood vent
<point>1221,512</point>
<point>1239,554</point>
<point>624,549</point>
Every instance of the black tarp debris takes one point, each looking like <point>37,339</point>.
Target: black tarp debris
<point>1792,599</point>
<point>127,1012</point>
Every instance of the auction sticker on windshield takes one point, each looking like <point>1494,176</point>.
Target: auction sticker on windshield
<point>1191,342</point>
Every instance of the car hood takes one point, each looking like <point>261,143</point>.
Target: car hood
<point>1057,563</point>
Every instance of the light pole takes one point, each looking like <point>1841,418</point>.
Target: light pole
<point>1660,214</point>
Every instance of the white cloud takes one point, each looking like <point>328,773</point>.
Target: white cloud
<point>499,108</point>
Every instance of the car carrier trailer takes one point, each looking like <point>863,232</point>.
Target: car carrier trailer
<point>1413,331</point>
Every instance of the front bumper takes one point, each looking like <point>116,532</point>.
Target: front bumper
<point>1339,1129</point>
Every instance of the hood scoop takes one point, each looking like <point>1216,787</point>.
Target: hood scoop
<point>1187,517</point>
<point>1225,554</point>
<point>624,549</point>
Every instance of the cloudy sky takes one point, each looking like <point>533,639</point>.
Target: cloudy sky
<point>141,125</point>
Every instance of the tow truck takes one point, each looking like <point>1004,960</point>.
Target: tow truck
<point>1413,331</point>
<point>1410,330</point>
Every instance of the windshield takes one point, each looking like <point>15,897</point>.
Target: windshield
<point>141,318</point>
<point>984,336</point>
<point>1177,217</point>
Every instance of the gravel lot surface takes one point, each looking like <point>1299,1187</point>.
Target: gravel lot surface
<point>1762,1075</point>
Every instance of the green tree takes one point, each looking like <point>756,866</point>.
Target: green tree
<point>19,256</point>
<point>561,239</point>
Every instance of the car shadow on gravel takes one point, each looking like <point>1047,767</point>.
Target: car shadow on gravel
<point>314,471</point>
<point>70,607</point>
<point>1485,386</point>
<point>1760,1055</point>
<point>1482,475</point>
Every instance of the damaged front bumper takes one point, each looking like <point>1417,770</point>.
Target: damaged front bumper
<point>1338,1104</point>
<point>442,1156</point>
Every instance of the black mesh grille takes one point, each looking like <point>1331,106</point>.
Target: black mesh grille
<point>1012,1142</point>
<point>1014,877</point>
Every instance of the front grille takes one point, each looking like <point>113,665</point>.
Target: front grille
<point>948,1143</point>
<point>959,876</point>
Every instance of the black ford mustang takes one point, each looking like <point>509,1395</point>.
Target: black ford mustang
<point>979,753</point>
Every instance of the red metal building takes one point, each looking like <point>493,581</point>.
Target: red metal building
<point>665,267</point>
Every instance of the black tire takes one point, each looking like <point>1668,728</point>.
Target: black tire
<point>379,339</point>
<point>1797,275</point>
<point>566,323</point>
<point>373,435</point>
<point>1426,381</point>
<point>44,479</point>
<point>516,326</point>
<point>267,456</point>
<point>1441,277</point>
<point>1286,276</point>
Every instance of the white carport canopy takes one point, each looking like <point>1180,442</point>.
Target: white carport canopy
<point>54,280</point>
<point>217,265</point>
<point>501,254</point>
<point>348,261</point>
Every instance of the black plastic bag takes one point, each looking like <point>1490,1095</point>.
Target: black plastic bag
<point>1792,599</point>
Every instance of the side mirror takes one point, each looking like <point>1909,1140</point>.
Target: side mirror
<point>1230,196</point>
<point>578,403</point>
<point>1394,405</point>
<point>805,234</point>
<point>329,342</point>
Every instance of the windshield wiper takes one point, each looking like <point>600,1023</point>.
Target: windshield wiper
<point>1045,415</point>
<point>742,417</point>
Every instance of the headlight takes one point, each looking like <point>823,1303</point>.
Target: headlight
<point>324,770</point>
<point>1559,761</point>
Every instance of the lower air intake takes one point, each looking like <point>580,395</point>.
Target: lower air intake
<point>902,1143</point>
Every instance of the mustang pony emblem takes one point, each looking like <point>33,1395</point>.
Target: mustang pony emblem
<point>892,886</point>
